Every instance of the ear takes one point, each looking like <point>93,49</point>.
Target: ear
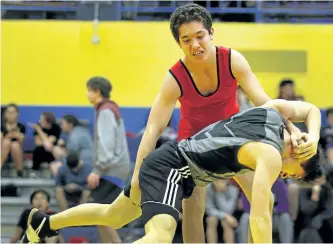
<point>211,33</point>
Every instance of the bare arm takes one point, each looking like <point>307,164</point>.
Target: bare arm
<point>298,111</point>
<point>250,84</point>
<point>18,135</point>
<point>159,117</point>
<point>268,166</point>
<point>85,196</point>
<point>17,235</point>
<point>60,196</point>
<point>247,79</point>
<point>245,182</point>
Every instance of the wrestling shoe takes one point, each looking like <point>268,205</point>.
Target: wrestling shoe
<point>38,227</point>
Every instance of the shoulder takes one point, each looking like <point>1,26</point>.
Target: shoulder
<point>25,213</point>
<point>170,88</point>
<point>237,61</point>
<point>106,114</point>
<point>254,153</point>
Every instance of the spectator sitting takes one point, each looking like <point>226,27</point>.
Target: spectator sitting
<point>39,199</point>
<point>12,136</point>
<point>326,134</point>
<point>316,206</point>
<point>220,204</point>
<point>79,140</point>
<point>47,133</point>
<point>282,222</point>
<point>71,182</point>
<point>287,90</point>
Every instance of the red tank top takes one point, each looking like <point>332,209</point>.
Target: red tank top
<point>198,111</point>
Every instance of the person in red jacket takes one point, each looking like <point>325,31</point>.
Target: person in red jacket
<point>204,81</point>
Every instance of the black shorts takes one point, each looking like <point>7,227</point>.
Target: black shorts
<point>106,192</point>
<point>165,180</point>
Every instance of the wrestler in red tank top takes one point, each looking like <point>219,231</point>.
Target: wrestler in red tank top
<point>198,111</point>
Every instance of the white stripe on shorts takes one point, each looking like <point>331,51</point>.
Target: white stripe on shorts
<point>172,187</point>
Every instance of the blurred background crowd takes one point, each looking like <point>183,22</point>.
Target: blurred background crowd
<point>51,48</point>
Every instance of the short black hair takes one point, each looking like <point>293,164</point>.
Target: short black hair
<point>71,119</point>
<point>72,159</point>
<point>286,82</point>
<point>315,167</point>
<point>32,196</point>
<point>329,111</point>
<point>99,83</point>
<point>187,13</point>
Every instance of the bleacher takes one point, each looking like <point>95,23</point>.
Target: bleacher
<point>12,207</point>
<point>259,11</point>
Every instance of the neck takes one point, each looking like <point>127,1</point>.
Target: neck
<point>11,122</point>
<point>98,101</point>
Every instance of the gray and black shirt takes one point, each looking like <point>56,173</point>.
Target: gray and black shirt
<point>212,152</point>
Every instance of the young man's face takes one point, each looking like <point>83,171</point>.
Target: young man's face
<point>291,168</point>
<point>195,40</point>
<point>93,96</point>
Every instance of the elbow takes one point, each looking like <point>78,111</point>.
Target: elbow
<point>154,130</point>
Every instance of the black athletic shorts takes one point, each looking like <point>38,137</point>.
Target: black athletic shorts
<point>106,192</point>
<point>165,180</point>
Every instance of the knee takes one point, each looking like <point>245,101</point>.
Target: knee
<point>16,146</point>
<point>225,224</point>
<point>212,222</point>
<point>6,143</point>
<point>58,152</point>
<point>161,228</point>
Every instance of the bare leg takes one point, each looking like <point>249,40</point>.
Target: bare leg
<point>293,195</point>
<point>193,213</point>
<point>54,167</point>
<point>159,229</point>
<point>116,215</point>
<point>17,155</point>
<point>245,182</point>
<point>5,148</point>
<point>228,232</point>
<point>211,230</point>
<point>108,235</point>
